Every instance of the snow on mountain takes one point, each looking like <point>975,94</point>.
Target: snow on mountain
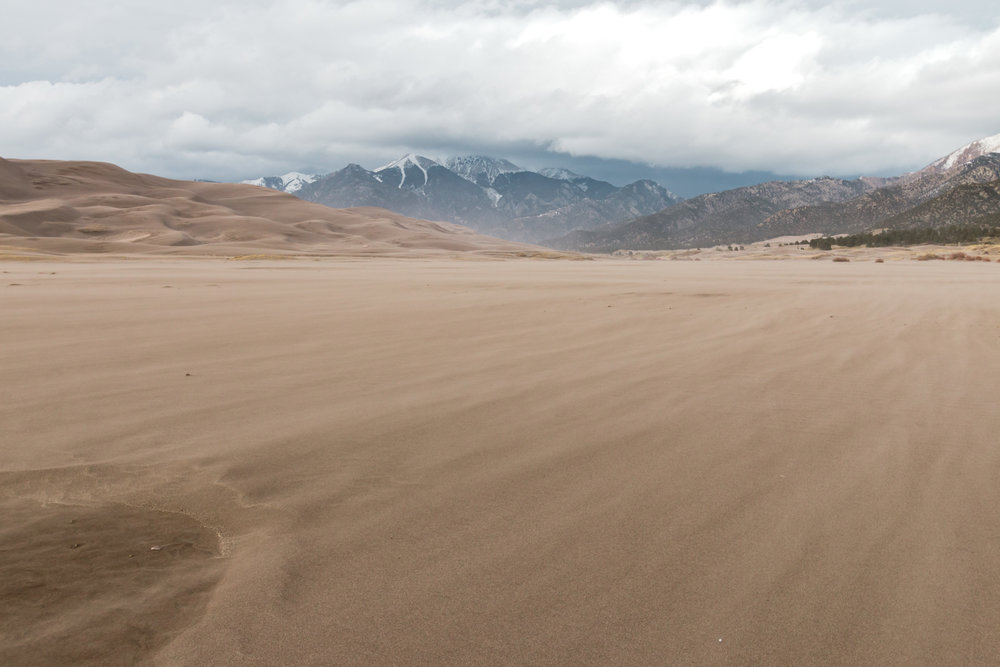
<point>646,185</point>
<point>559,173</point>
<point>585,183</point>
<point>290,182</point>
<point>294,180</point>
<point>406,162</point>
<point>966,154</point>
<point>477,168</point>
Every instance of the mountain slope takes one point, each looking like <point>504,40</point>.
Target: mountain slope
<point>975,203</point>
<point>963,156</point>
<point>874,209</point>
<point>356,186</point>
<point>731,216</point>
<point>594,188</point>
<point>480,169</point>
<point>626,203</point>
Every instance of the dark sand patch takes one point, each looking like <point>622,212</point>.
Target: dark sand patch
<point>103,584</point>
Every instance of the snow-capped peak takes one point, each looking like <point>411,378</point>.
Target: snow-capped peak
<point>968,153</point>
<point>290,182</point>
<point>409,160</point>
<point>294,180</point>
<point>470,167</point>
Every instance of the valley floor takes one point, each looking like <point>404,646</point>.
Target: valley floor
<point>470,462</point>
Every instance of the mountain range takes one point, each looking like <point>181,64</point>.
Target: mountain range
<point>565,210</point>
<point>948,189</point>
<point>490,195</point>
<point>731,216</point>
<point>957,188</point>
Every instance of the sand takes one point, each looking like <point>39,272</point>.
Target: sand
<point>432,461</point>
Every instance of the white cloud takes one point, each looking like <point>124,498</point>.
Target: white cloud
<point>777,63</point>
<point>239,88</point>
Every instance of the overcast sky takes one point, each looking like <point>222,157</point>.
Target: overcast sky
<point>229,90</point>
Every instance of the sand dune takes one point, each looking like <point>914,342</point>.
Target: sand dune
<point>442,462</point>
<point>58,207</point>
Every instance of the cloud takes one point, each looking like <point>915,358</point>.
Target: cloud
<point>231,89</point>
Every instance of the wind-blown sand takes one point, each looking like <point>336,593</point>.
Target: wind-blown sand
<point>446,462</point>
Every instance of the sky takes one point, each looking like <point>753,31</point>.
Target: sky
<point>226,90</point>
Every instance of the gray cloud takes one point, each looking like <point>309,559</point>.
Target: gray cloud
<point>236,89</point>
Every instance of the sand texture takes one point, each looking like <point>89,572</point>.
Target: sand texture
<point>429,461</point>
<point>58,208</point>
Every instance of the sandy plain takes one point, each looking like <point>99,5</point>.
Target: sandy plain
<point>437,461</point>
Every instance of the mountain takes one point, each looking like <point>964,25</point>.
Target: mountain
<point>893,202</point>
<point>560,173</point>
<point>594,188</point>
<point>731,216</point>
<point>959,187</point>
<point>55,207</point>
<point>527,193</point>
<point>410,171</point>
<point>977,203</point>
<point>480,169</point>
<point>445,195</point>
<point>491,195</point>
<point>626,203</point>
<point>962,156</point>
<point>355,186</point>
<point>291,182</point>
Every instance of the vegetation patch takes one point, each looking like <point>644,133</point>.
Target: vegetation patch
<point>244,258</point>
<point>949,234</point>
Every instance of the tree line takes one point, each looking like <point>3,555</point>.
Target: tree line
<point>959,233</point>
